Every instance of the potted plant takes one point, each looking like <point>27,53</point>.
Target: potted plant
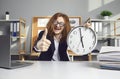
<point>106,14</point>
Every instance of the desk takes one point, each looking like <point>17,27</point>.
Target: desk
<point>60,70</point>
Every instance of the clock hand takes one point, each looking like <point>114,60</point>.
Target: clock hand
<point>82,41</point>
<point>81,37</point>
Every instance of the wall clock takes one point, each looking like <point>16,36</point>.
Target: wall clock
<point>82,40</point>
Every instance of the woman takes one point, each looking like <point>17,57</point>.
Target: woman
<point>52,42</point>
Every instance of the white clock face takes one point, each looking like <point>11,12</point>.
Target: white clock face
<point>81,40</point>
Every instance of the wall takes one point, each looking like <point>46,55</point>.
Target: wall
<point>30,8</point>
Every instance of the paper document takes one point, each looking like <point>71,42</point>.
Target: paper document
<point>110,65</point>
<point>109,53</point>
<point>111,49</point>
<point>109,57</point>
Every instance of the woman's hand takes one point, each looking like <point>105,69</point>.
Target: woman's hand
<point>44,43</point>
<point>87,23</point>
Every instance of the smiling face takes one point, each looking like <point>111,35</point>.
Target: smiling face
<point>58,26</point>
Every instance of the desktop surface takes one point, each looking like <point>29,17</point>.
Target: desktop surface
<point>60,70</point>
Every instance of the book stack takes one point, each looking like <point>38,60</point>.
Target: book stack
<point>109,57</point>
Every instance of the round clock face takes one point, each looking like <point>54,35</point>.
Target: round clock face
<point>81,40</point>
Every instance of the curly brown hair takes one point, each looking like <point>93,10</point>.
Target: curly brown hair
<point>66,29</point>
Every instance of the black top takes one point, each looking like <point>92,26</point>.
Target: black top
<point>47,56</point>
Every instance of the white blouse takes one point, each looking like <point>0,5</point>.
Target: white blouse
<point>56,54</point>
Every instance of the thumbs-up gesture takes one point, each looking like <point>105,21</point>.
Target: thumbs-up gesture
<point>44,43</point>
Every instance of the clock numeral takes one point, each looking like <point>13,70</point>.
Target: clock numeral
<point>74,32</point>
<point>70,42</point>
<point>77,50</point>
<point>93,43</point>
<point>83,50</point>
<point>92,36</point>
<point>90,48</point>
<point>73,46</point>
<point>71,36</point>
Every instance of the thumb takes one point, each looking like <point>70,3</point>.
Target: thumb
<point>45,33</point>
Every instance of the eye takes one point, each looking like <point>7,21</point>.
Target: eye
<point>61,23</point>
<point>55,23</point>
